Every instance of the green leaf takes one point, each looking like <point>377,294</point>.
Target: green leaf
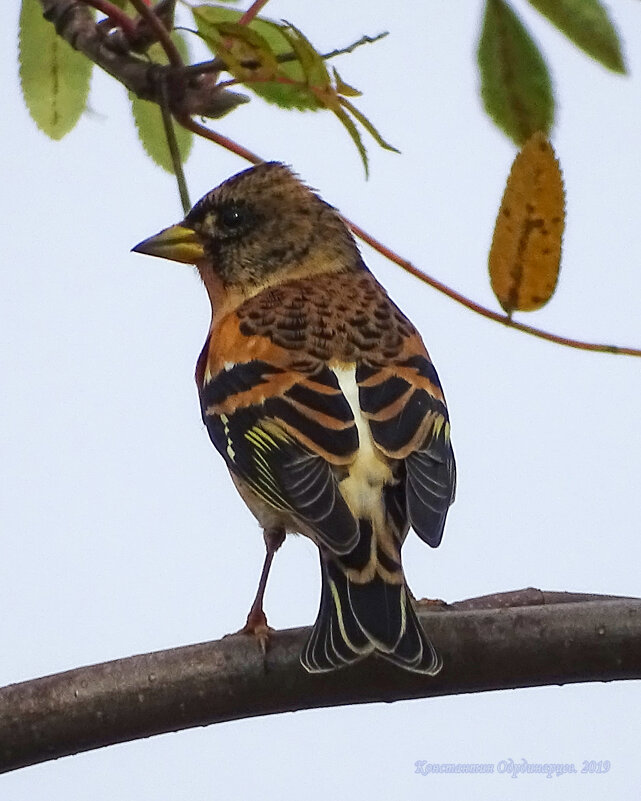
<point>239,46</point>
<point>371,130</point>
<point>587,24</point>
<point>148,117</point>
<point>515,83</point>
<point>344,88</point>
<point>352,130</point>
<point>54,77</point>
<point>310,60</point>
<point>255,58</point>
<point>293,96</point>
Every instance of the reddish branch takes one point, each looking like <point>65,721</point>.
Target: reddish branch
<point>523,639</point>
<point>482,310</point>
<point>116,16</point>
<point>255,8</point>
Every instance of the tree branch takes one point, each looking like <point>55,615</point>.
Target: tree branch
<point>189,94</point>
<point>573,639</point>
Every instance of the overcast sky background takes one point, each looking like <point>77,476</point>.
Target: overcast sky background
<point>121,531</point>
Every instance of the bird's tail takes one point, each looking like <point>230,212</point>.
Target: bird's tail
<point>366,606</point>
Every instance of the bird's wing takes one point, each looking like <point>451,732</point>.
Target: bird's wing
<point>286,433</point>
<point>404,404</point>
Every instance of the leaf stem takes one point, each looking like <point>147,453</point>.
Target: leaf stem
<point>172,144</point>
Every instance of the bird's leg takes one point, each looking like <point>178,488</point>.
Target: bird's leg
<point>256,621</point>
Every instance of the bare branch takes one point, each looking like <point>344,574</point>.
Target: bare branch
<point>483,649</point>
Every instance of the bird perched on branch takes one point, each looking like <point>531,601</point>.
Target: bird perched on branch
<point>319,394</point>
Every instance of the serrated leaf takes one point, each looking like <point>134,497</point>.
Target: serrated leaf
<point>54,77</point>
<point>294,96</point>
<point>343,88</point>
<point>239,45</point>
<point>148,117</point>
<point>301,82</point>
<point>310,60</point>
<point>525,256</point>
<point>587,24</point>
<point>515,83</point>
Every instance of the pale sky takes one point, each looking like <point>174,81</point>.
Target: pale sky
<point>121,531</point>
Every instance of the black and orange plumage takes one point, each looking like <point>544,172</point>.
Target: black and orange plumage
<point>320,396</point>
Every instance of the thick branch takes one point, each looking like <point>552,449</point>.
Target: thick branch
<point>189,94</point>
<point>482,649</point>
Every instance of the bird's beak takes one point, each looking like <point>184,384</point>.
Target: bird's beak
<point>178,243</point>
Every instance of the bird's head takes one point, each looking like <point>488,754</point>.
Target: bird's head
<point>256,229</point>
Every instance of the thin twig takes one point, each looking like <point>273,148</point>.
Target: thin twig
<point>218,65</point>
<point>115,14</point>
<point>175,59</point>
<point>251,12</point>
<point>219,139</point>
<point>482,310</point>
<point>359,43</point>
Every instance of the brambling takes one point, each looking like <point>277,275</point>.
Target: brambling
<point>320,396</point>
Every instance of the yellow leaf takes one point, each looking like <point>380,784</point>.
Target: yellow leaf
<point>525,256</point>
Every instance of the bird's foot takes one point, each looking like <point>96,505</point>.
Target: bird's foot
<point>256,626</point>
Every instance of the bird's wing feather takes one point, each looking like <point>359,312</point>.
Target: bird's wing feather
<point>283,432</point>
<point>404,404</point>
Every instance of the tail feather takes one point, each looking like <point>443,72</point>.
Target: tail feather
<point>336,639</point>
<point>355,619</point>
<point>414,651</point>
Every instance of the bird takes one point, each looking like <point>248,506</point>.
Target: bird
<point>320,396</point>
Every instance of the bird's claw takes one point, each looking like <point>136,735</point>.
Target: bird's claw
<point>256,626</point>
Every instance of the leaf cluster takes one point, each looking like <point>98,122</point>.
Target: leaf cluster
<point>274,60</point>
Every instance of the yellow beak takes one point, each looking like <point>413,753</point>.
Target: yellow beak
<point>178,243</point>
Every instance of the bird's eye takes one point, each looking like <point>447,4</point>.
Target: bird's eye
<point>232,217</point>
